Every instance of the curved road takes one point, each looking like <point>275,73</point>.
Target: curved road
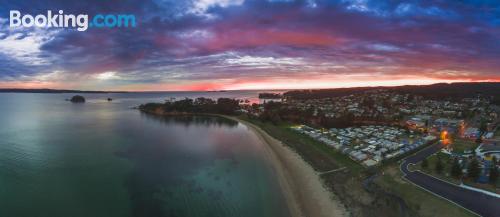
<point>479,203</point>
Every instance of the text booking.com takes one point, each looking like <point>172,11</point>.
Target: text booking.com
<point>80,21</point>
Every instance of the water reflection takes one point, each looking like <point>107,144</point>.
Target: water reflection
<point>164,172</point>
<point>104,159</point>
<point>187,120</point>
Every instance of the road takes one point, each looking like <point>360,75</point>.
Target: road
<point>479,203</point>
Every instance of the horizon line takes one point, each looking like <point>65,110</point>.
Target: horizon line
<point>13,90</point>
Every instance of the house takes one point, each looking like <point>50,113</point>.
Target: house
<point>416,123</point>
<point>489,135</point>
<point>471,132</point>
<point>369,163</point>
<point>488,150</point>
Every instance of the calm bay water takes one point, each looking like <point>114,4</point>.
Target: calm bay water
<point>104,159</point>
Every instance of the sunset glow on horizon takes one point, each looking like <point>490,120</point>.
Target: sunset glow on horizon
<point>261,44</point>
<point>229,84</point>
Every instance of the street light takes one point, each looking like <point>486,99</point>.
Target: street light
<point>444,137</point>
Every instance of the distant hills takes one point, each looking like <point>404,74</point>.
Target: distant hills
<point>433,91</point>
<point>454,90</point>
<point>16,90</point>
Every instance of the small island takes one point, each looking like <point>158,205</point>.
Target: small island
<point>77,99</point>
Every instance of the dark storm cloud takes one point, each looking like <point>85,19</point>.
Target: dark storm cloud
<point>199,40</point>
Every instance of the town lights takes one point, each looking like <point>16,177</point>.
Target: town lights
<point>444,135</point>
<point>445,140</point>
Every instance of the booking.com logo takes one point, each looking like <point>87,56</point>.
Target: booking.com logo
<point>80,21</point>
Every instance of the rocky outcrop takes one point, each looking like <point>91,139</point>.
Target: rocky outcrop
<point>77,99</point>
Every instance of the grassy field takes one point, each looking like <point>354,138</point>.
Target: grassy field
<point>445,175</point>
<point>461,145</point>
<point>447,163</point>
<point>420,201</point>
<point>319,155</point>
<point>348,185</point>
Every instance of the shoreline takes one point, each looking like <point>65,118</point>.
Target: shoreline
<point>301,185</point>
<point>305,193</point>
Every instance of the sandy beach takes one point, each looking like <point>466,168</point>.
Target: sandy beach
<point>303,189</point>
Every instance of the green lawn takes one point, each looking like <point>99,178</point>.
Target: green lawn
<point>447,163</point>
<point>311,150</point>
<point>418,199</point>
<point>323,158</point>
<point>445,175</point>
<point>461,145</point>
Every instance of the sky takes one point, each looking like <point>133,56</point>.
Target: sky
<point>264,44</point>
